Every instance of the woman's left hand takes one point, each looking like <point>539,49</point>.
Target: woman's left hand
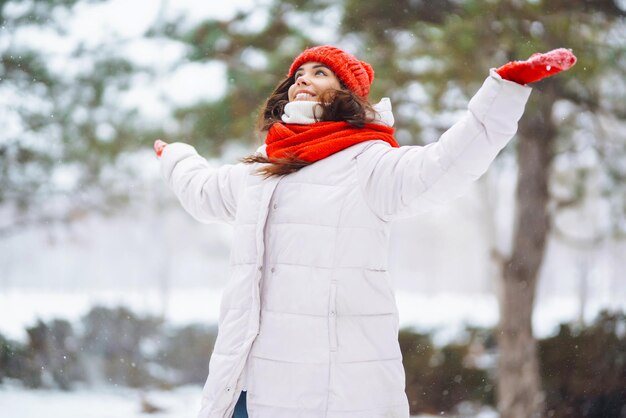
<point>159,146</point>
<point>538,66</point>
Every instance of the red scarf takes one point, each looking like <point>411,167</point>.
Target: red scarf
<point>318,140</point>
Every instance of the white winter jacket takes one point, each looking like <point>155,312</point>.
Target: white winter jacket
<point>308,311</point>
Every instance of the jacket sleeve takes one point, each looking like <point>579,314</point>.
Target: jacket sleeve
<point>404,181</point>
<point>208,193</point>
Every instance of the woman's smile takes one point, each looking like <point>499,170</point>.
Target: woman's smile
<point>304,95</point>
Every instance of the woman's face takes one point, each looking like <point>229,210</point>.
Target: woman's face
<point>312,79</point>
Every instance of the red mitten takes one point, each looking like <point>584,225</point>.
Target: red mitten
<point>538,66</point>
<point>158,147</point>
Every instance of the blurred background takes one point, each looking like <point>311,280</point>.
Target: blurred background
<point>109,291</point>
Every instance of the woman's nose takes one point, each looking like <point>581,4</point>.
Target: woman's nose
<point>302,80</point>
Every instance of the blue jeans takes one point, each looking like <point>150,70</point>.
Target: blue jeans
<point>241,410</point>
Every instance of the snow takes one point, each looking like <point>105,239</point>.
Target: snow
<point>109,402</point>
<point>103,402</point>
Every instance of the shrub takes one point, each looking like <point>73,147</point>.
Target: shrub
<point>584,369</point>
<point>186,352</point>
<point>438,379</point>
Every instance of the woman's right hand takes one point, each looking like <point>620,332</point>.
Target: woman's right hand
<point>159,146</point>
<point>538,66</point>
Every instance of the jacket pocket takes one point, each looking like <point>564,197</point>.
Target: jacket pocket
<point>332,316</point>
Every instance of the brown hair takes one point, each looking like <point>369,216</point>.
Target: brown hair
<point>337,105</point>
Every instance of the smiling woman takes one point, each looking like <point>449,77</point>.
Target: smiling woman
<point>309,322</point>
<point>324,84</point>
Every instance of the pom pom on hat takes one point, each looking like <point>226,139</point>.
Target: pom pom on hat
<point>354,74</point>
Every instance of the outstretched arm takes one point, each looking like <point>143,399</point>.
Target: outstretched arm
<point>406,180</point>
<point>399,182</point>
<point>538,66</point>
<point>208,193</point>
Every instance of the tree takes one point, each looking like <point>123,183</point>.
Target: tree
<point>62,128</point>
<point>255,60</point>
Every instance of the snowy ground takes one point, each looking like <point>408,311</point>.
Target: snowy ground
<point>16,402</point>
<point>97,403</point>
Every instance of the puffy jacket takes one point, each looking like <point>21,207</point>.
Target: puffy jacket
<point>308,312</point>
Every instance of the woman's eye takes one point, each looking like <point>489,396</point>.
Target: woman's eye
<point>320,72</point>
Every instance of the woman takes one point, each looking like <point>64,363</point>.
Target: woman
<point>308,324</point>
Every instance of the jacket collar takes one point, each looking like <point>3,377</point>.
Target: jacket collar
<point>306,112</point>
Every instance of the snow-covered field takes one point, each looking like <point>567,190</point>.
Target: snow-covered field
<point>111,402</point>
<point>103,402</point>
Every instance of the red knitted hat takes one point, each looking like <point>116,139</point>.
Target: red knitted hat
<point>355,74</point>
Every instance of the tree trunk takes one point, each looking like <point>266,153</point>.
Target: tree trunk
<point>519,381</point>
